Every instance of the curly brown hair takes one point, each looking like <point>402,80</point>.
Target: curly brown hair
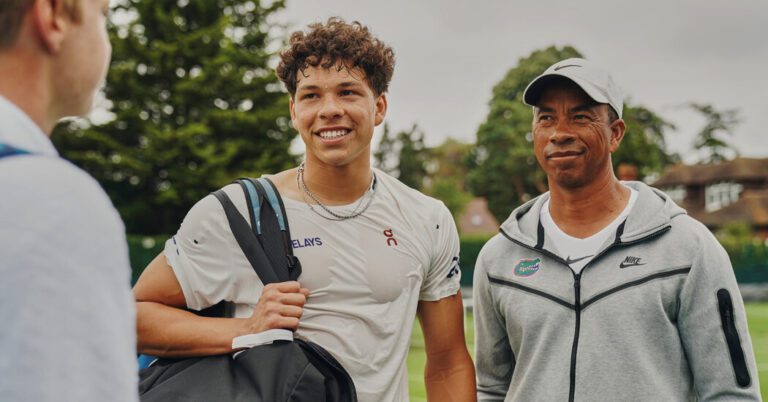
<point>337,43</point>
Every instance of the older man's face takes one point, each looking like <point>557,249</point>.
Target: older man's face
<point>573,137</point>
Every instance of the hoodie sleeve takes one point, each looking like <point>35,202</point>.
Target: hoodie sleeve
<point>713,327</point>
<point>494,358</point>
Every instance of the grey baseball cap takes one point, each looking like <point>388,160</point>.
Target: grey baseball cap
<point>595,81</point>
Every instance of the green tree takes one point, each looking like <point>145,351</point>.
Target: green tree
<point>711,139</point>
<point>643,145</point>
<point>385,157</point>
<point>438,171</point>
<point>734,235</point>
<point>403,155</point>
<point>447,169</point>
<point>507,173</point>
<point>194,105</point>
<point>411,164</point>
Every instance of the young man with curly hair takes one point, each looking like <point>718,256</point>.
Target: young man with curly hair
<point>374,252</point>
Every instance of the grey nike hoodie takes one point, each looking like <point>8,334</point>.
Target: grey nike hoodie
<point>655,316</point>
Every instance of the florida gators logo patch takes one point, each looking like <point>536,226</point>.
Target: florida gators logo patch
<point>527,267</point>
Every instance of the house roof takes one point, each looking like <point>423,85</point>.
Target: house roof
<point>752,207</point>
<point>738,169</point>
<point>477,219</point>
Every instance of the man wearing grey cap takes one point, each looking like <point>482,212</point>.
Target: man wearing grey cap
<point>603,290</point>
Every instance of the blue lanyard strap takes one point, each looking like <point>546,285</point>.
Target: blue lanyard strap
<point>7,150</point>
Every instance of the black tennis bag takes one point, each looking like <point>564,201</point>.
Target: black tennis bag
<point>296,370</point>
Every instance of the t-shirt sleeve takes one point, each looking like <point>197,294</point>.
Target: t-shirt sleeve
<point>206,259</point>
<point>443,273</point>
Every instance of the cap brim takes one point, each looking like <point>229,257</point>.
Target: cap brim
<point>536,87</point>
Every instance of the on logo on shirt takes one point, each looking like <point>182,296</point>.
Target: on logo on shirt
<point>391,241</point>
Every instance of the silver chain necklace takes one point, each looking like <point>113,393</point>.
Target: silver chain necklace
<point>333,216</point>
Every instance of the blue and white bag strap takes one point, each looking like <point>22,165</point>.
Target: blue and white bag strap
<point>248,241</point>
<point>8,150</point>
<point>274,200</point>
<point>293,263</point>
<point>270,224</point>
<point>253,202</point>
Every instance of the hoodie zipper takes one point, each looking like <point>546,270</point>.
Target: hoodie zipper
<point>574,349</point>
<point>577,289</point>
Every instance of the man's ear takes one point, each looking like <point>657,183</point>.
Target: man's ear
<point>618,128</point>
<point>381,109</point>
<point>51,22</point>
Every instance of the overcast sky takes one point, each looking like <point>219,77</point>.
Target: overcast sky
<point>664,54</point>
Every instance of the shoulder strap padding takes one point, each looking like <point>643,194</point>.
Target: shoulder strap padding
<point>247,240</point>
<point>268,237</point>
<point>275,233</point>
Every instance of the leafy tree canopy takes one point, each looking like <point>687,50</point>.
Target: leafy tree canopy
<point>711,140</point>
<point>403,155</point>
<point>447,170</point>
<point>194,105</point>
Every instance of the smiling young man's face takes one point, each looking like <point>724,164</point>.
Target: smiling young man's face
<point>573,137</point>
<point>335,112</point>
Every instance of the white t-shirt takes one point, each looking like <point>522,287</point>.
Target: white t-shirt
<point>67,326</point>
<point>579,252</point>
<point>365,275</point>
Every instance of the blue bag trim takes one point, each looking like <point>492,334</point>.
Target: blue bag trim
<point>7,150</point>
<point>145,361</point>
<point>253,194</point>
<point>272,197</point>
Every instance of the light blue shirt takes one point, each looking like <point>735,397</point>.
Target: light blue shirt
<point>67,317</point>
<point>18,130</point>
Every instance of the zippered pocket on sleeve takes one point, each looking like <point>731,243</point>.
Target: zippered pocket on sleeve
<point>732,338</point>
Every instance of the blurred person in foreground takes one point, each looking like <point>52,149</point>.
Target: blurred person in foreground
<point>602,290</point>
<point>374,252</point>
<point>68,326</point>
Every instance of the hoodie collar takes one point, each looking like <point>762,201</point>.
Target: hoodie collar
<point>652,213</point>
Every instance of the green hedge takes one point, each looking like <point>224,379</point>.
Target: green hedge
<point>470,248</point>
<point>750,260</point>
<point>142,250</point>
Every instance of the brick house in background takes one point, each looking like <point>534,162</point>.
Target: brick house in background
<point>477,219</point>
<point>731,191</point>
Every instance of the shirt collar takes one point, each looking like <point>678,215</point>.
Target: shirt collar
<point>18,130</point>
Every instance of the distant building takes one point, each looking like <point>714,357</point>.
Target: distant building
<point>626,171</point>
<point>477,219</point>
<point>732,191</point>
